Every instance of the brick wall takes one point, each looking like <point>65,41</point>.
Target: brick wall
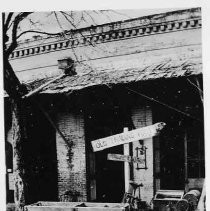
<point>142,116</point>
<point>71,160</point>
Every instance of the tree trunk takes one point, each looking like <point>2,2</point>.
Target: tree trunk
<point>12,85</point>
<point>16,90</point>
<point>19,139</point>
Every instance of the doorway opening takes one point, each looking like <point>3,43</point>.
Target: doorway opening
<point>106,178</point>
<point>171,154</point>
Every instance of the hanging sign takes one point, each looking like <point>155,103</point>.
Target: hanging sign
<point>125,158</point>
<point>127,137</point>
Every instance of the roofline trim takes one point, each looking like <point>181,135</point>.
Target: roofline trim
<point>109,36</point>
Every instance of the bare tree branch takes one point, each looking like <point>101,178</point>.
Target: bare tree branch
<point>119,13</point>
<point>92,44</point>
<point>56,17</point>
<point>12,85</point>
<point>104,12</point>
<point>39,32</point>
<point>82,18</point>
<point>13,44</point>
<point>3,18</point>
<point>90,17</point>
<point>7,21</point>
<point>65,15</point>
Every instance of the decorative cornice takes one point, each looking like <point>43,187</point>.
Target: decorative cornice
<point>112,35</point>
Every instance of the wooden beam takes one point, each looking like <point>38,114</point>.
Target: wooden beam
<point>125,158</point>
<point>39,89</point>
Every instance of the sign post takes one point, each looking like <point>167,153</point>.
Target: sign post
<point>126,164</point>
<point>125,138</point>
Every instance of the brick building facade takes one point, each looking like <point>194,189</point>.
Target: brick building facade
<point>135,73</point>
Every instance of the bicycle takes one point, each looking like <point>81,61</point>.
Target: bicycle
<point>135,202</point>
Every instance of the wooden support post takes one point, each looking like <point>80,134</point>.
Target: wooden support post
<point>202,200</point>
<point>126,164</point>
<point>185,163</point>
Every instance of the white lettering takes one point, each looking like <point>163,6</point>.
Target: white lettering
<point>122,138</point>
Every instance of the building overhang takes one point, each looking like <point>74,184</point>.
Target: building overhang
<point>115,74</point>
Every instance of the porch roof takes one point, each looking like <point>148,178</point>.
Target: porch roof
<point>124,72</point>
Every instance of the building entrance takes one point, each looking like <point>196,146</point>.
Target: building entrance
<point>106,178</point>
<point>109,176</point>
<point>172,158</point>
<point>170,152</point>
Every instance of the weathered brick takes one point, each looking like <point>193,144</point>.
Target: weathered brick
<point>142,116</point>
<point>71,162</point>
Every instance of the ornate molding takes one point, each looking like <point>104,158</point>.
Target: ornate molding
<point>112,35</point>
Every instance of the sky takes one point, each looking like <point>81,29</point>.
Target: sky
<point>54,22</point>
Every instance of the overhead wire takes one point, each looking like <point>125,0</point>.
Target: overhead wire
<point>163,104</point>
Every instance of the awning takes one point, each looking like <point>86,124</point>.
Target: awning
<point>154,65</point>
<point>171,69</point>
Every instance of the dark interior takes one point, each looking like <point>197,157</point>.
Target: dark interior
<point>109,175</point>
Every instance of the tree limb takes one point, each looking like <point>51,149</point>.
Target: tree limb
<point>119,13</point>
<point>66,17</point>
<point>13,44</point>
<point>56,17</point>
<point>12,85</point>
<point>9,17</point>
<point>90,17</point>
<point>38,32</point>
